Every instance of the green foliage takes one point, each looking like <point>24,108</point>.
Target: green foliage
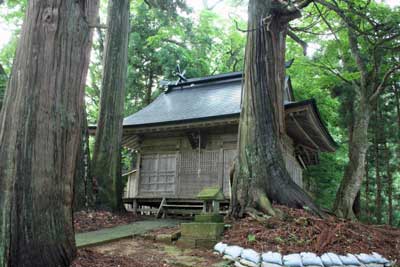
<point>158,42</point>
<point>251,238</point>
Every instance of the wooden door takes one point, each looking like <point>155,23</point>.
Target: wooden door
<point>191,183</point>
<point>158,174</point>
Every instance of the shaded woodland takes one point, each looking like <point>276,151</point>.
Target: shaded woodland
<point>346,56</point>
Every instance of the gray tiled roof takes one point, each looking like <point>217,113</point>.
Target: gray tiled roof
<point>213,98</point>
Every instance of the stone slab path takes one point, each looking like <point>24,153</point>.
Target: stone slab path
<point>120,232</point>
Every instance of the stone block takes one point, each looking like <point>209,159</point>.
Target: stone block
<point>209,217</point>
<point>164,238</point>
<point>187,242</point>
<point>202,230</point>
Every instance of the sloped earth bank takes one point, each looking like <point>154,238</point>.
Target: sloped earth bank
<point>139,252</point>
<point>299,231</point>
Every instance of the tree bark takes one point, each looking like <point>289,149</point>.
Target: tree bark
<point>354,171</point>
<point>106,155</point>
<point>40,133</point>
<point>83,184</point>
<point>378,178</point>
<point>367,190</point>
<point>358,139</point>
<point>261,175</point>
<point>3,84</point>
<point>389,184</point>
<point>149,88</point>
<point>357,205</point>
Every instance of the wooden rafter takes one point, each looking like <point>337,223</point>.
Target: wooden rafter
<point>303,132</point>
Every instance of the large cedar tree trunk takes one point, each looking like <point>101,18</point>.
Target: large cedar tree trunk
<point>261,175</point>
<point>107,149</point>
<point>40,133</point>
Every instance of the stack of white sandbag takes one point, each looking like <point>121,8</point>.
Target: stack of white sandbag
<point>251,258</point>
<point>271,259</point>
<point>232,253</point>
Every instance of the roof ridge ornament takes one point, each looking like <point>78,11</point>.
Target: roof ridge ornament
<point>180,75</point>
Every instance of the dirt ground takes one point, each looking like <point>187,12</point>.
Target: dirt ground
<point>298,231</point>
<point>139,252</point>
<point>91,220</point>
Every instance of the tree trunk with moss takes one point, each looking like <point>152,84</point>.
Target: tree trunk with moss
<point>261,176</point>
<point>107,149</point>
<point>40,132</point>
<point>3,84</point>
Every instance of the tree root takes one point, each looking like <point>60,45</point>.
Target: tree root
<point>262,208</point>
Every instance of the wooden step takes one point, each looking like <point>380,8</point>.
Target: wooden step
<point>151,210</point>
<point>183,211</point>
<point>182,206</point>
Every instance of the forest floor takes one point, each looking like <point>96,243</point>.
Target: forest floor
<point>297,231</point>
<point>91,220</point>
<point>140,252</point>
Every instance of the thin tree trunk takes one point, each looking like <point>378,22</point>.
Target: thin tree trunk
<point>397,97</point>
<point>396,93</point>
<point>389,184</point>
<point>261,175</point>
<point>106,155</point>
<point>378,178</point>
<point>40,133</point>
<point>3,84</point>
<point>149,88</point>
<point>367,190</point>
<point>354,171</point>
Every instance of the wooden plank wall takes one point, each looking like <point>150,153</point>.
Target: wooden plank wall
<point>170,167</point>
<point>294,169</point>
<point>131,188</point>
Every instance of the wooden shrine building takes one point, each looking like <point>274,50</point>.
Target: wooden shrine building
<point>186,139</point>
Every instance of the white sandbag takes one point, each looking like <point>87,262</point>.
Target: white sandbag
<point>238,264</point>
<point>233,251</point>
<point>220,247</point>
<point>292,260</point>
<point>326,260</point>
<point>335,259</point>
<point>272,257</point>
<point>349,260</point>
<point>369,260</point>
<point>380,259</point>
<point>311,259</point>
<point>228,258</point>
<point>365,258</point>
<point>248,263</point>
<point>251,255</point>
<point>269,264</point>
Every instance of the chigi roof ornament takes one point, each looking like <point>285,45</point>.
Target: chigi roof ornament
<point>181,78</point>
<point>180,75</point>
